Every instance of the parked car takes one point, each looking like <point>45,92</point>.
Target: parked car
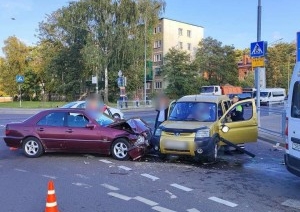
<point>272,95</point>
<point>78,130</point>
<point>198,124</point>
<point>114,112</point>
<point>292,154</point>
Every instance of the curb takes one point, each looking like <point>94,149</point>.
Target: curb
<point>271,141</point>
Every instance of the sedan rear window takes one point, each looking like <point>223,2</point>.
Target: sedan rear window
<point>55,119</point>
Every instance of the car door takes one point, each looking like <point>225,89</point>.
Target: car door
<point>51,130</point>
<point>80,137</point>
<point>241,131</point>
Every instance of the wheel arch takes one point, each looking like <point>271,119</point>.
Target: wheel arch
<point>33,136</point>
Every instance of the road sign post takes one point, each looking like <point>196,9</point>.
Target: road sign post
<point>20,79</point>
<point>298,47</point>
<point>257,52</point>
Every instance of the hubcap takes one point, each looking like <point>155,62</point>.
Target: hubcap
<point>120,150</point>
<point>31,147</point>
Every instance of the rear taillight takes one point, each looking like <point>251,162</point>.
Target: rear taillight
<point>287,127</point>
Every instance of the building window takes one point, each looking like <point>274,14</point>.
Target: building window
<point>155,30</point>
<point>158,85</point>
<point>189,46</point>
<point>148,85</point>
<point>157,44</point>
<point>157,57</point>
<point>158,29</point>
<point>180,31</point>
<point>180,45</point>
<point>189,33</point>
<point>157,71</point>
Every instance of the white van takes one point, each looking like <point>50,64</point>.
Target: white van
<point>272,95</point>
<point>292,156</point>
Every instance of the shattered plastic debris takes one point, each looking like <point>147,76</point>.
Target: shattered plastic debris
<point>172,196</point>
<point>85,162</point>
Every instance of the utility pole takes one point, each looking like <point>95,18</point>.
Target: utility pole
<point>145,62</point>
<point>257,70</point>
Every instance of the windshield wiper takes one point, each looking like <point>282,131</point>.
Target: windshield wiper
<point>190,119</point>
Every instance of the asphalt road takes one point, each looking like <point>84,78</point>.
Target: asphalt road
<point>92,183</point>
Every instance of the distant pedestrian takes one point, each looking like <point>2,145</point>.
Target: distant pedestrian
<point>137,101</point>
<point>162,109</point>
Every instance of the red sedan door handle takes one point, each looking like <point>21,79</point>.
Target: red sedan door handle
<point>69,130</point>
<point>41,129</point>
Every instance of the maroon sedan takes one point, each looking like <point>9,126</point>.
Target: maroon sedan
<point>79,131</point>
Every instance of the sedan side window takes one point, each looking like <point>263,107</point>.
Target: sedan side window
<point>77,120</point>
<point>55,119</point>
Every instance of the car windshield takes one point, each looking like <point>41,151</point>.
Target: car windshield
<point>101,118</point>
<point>194,111</point>
<point>69,105</point>
<point>264,94</point>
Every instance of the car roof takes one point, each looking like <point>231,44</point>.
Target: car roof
<point>65,110</point>
<point>203,98</point>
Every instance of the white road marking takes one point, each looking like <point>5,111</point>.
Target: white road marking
<point>222,201</point>
<point>162,209</point>
<point>82,185</point>
<point>48,176</point>
<point>181,187</point>
<point>172,196</point>
<point>105,161</point>
<point>125,168</point>
<point>110,187</point>
<point>150,176</point>
<point>21,170</point>
<point>192,210</point>
<point>120,196</point>
<point>145,201</point>
<point>292,203</point>
<point>82,176</point>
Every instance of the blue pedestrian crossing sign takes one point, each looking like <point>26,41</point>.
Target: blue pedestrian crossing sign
<point>258,49</point>
<point>20,79</point>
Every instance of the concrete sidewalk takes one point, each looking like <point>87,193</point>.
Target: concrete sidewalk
<point>36,110</point>
<point>272,123</point>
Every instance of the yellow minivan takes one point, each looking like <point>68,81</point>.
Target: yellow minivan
<point>196,125</point>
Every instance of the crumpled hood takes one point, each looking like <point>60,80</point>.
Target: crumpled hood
<point>137,125</point>
<point>184,125</point>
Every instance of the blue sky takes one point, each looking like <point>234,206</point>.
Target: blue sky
<point>231,21</point>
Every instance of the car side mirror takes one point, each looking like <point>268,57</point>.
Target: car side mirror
<point>90,126</point>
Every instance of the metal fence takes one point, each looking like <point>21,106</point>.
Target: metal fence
<point>134,104</point>
<point>273,120</point>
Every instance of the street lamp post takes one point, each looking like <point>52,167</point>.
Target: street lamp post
<point>145,62</point>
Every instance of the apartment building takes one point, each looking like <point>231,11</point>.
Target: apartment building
<point>171,33</point>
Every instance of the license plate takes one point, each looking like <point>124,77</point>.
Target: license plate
<point>296,146</point>
<point>176,145</point>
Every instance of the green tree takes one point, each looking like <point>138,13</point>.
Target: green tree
<point>280,63</point>
<point>15,62</point>
<point>181,74</point>
<point>217,62</point>
<point>249,81</point>
<point>100,34</point>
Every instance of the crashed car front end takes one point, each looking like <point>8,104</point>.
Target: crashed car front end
<point>189,142</point>
<point>139,135</point>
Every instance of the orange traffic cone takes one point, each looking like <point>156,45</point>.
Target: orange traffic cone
<point>51,204</point>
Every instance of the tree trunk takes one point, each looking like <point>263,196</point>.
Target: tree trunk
<point>106,85</point>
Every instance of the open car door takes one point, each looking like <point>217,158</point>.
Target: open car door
<point>240,131</point>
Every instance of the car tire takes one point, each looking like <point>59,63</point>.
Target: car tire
<point>32,147</point>
<point>213,156</point>
<point>119,149</point>
<point>116,116</point>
